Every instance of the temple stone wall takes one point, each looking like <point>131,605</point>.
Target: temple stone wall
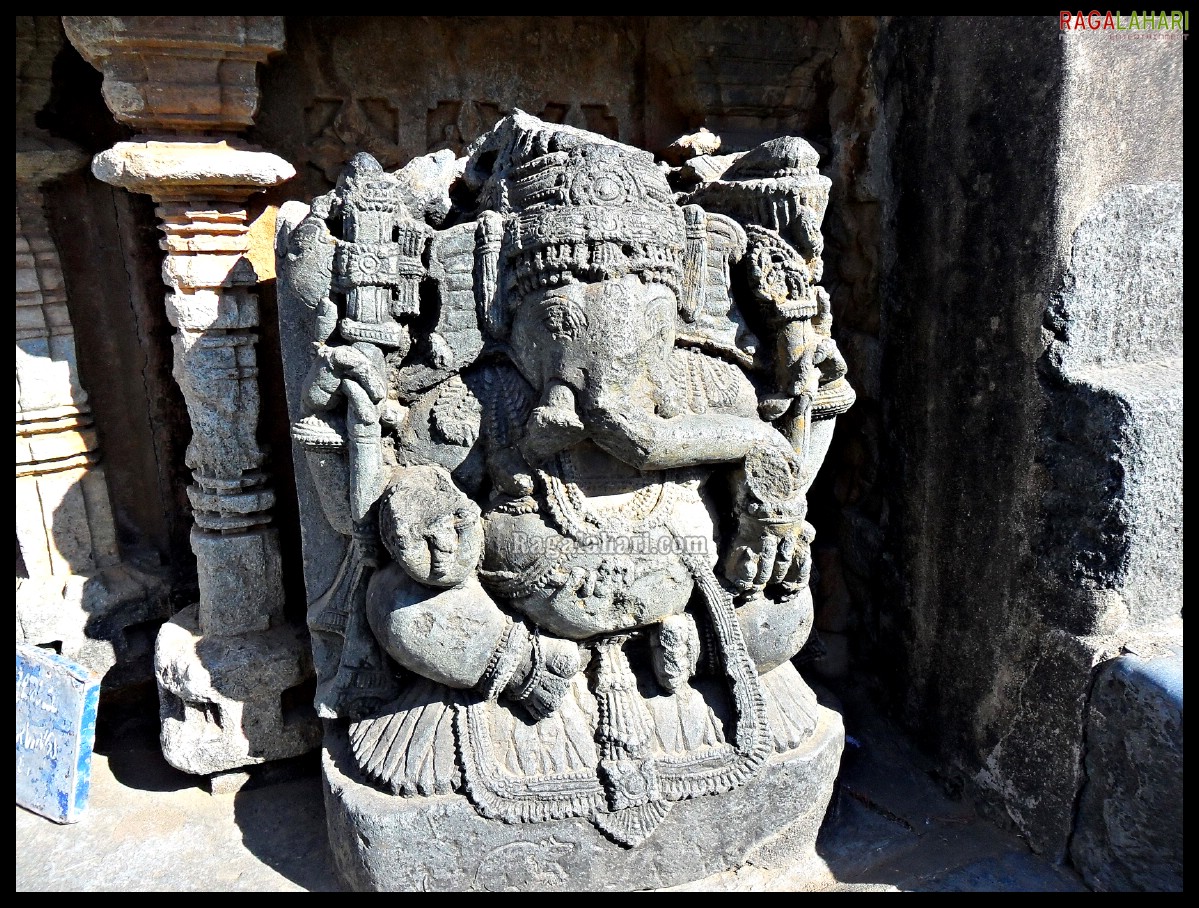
<point>1116,361</point>
<point>107,243</point>
<point>1032,330</point>
<point>96,572</point>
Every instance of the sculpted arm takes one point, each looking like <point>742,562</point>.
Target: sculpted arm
<point>432,616</point>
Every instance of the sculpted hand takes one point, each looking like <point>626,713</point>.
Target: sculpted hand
<point>763,554</point>
<point>532,669</point>
<point>772,539</point>
<point>829,361</point>
<point>344,363</point>
<point>554,663</point>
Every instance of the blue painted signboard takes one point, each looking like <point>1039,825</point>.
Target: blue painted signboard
<point>56,728</point>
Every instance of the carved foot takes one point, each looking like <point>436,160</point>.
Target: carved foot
<point>675,650</point>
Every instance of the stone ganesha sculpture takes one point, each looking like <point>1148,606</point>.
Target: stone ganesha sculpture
<point>569,480</point>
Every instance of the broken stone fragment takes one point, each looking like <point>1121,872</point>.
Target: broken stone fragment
<point>691,145</point>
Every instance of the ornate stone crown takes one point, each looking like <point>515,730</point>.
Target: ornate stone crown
<point>592,212</point>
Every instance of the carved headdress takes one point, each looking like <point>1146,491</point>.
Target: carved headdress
<point>775,186</point>
<point>576,205</point>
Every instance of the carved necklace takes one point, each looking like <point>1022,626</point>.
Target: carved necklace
<point>568,505</point>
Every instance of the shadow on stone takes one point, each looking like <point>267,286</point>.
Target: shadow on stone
<point>281,816</point>
<point>127,734</point>
<point>890,823</point>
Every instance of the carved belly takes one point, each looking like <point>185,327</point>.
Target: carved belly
<point>578,577</point>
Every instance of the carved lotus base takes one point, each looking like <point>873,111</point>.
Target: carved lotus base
<point>382,842</point>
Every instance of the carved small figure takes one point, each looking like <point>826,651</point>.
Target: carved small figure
<point>432,616</point>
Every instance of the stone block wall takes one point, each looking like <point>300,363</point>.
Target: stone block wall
<point>1031,334</point>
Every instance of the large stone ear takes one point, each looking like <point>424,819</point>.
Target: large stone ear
<point>713,242</point>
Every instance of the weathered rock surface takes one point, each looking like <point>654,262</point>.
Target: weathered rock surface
<point>1128,837</point>
<point>232,701</point>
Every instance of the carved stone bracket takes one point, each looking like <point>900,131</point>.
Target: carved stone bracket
<point>220,709</point>
<point>179,73</point>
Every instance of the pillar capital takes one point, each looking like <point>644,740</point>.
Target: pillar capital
<point>177,171</point>
<point>178,73</point>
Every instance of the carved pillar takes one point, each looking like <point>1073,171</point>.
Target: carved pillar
<point>224,665</point>
<point>73,589</point>
<point>201,188</point>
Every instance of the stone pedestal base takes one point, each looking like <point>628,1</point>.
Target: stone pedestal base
<point>386,843</point>
<point>221,701</point>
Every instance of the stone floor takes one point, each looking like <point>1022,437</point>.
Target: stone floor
<point>148,827</point>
